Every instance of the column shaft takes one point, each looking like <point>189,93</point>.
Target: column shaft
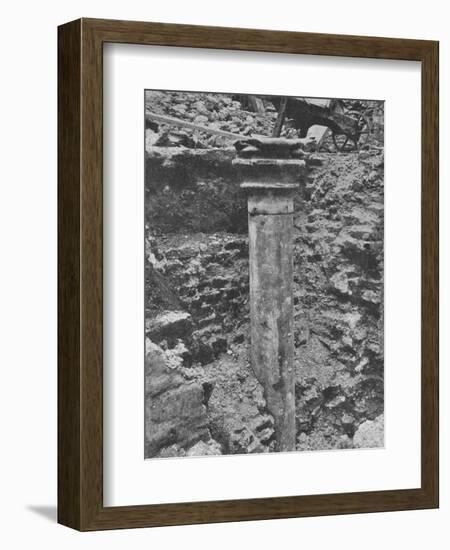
<point>271,312</point>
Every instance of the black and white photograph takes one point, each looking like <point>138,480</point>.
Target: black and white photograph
<point>264,262</point>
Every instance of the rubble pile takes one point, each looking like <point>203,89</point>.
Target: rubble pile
<point>219,111</point>
<point>339,300</point>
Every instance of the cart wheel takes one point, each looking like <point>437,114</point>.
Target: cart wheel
<point>364,130</point>
<point>340,141</point>
<point>344,142</point>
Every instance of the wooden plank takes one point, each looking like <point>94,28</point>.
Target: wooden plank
<point>165,119</point>
<point>280,118</point>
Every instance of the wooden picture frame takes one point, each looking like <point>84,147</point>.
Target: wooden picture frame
<point>80,271</point>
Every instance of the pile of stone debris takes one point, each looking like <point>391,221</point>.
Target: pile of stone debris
<point>216,111</point>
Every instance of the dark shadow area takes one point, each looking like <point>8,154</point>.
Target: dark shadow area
<point>47,512</point>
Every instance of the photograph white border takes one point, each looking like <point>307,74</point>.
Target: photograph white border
<point>128,478</point>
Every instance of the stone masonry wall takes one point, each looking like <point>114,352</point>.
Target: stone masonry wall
<point>197,317</point>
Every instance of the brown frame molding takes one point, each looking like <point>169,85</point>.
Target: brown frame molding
<point>80,399</point>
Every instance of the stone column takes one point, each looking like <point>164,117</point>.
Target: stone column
<point>270,184</point>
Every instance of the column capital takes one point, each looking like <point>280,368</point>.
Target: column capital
<point>270,165</point>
